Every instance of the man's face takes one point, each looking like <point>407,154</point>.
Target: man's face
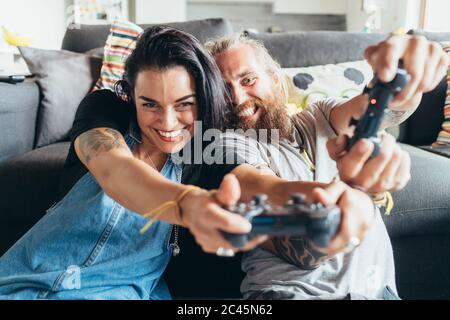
<point>257,99</point>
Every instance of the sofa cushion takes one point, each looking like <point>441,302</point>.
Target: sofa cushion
<point>310,84</point>
<point>421,266</point>
<point>119,45</point>
<point>304,49</point>
<point>81,38</point>
<point>64,78</point>
<point>30,185</point>
<point>18,111</point>
<point>423,207</point>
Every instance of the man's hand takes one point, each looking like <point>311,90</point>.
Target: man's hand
<point>424,60</point>
<point>357,214</point>
<point>388,171</point>
<point>203,215</point>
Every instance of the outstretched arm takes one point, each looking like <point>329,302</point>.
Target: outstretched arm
<point>139,187</point>
<point>424,60</point>
<point>356,207</point>
<point>342,114</point>
<point>126,179</point>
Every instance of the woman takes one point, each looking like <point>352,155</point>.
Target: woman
<point>89,246</point>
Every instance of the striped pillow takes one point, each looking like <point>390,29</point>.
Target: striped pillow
<point>444,136</point>
<point>119,45</point>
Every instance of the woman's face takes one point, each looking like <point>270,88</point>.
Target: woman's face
<point>166,107</point>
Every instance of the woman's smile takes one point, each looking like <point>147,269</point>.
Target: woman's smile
<point>170,136</point>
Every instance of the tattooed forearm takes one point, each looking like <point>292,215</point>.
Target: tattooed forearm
<point>393,117</point>
<point>299,251</point>
<point>96,141</point>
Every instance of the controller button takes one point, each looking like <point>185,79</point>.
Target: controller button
<point>260,199</point>
<point>320,206</point>
<point>298,198</point>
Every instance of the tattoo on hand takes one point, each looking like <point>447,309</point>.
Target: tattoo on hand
<point>96,141</point>
<point>299,251</point>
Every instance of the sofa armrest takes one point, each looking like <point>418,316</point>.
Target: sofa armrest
<point>19,105</point>
<point>29,185</point>
<point>423,207</point>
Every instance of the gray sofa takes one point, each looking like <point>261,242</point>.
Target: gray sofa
<point>419,225</point>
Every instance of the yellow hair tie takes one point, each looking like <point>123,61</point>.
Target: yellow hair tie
<point>155,213</point>
<point>386,201</point>
<point>389,203</point>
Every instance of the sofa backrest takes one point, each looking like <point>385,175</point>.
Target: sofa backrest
<point>310,48</point>
<point>82,38</point>
<point>296,49</point>
<point>304,49</point>
<point>434,36</point>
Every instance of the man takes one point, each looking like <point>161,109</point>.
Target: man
<point>255,83</point>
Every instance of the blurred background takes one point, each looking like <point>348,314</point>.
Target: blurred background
<point>43,22</point>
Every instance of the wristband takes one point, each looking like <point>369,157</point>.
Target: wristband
<point>155,213</point>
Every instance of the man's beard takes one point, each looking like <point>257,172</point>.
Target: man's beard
<point>273,116</point>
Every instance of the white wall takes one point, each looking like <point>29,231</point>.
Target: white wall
<point>412,19</point>
<point>160,11</point>
<point>42,20</point>
<point>437,17</point>
<point>394,14</point>
<point>296,6</point>
<point>310,6</point>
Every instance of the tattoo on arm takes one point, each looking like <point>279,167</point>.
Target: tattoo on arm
<point>393,117</point>
<point>299,251</point>
<point>96,141</point>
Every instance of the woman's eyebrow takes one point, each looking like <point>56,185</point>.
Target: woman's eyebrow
<point>147,99</point>
<point>178,100</point>
<point>185,97</point>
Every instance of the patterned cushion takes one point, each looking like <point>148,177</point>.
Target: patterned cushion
<point>310,84</point>
<point>444,136</point>
<point>119,45</point>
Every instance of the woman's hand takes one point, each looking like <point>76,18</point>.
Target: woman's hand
<point>203,215</point>
<point>357,214</point>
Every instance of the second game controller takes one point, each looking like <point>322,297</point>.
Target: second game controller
<point>380,96</point>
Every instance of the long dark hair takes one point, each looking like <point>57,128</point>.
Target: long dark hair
<point>162,47</point>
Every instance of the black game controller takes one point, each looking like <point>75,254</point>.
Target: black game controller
<point>312,220</point>
<point>380,95</point>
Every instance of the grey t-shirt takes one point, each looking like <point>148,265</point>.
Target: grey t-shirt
<point>365,272</point>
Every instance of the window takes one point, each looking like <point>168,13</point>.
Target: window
<point>435,15</point>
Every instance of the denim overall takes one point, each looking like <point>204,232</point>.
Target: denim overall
<point>88,246</point>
